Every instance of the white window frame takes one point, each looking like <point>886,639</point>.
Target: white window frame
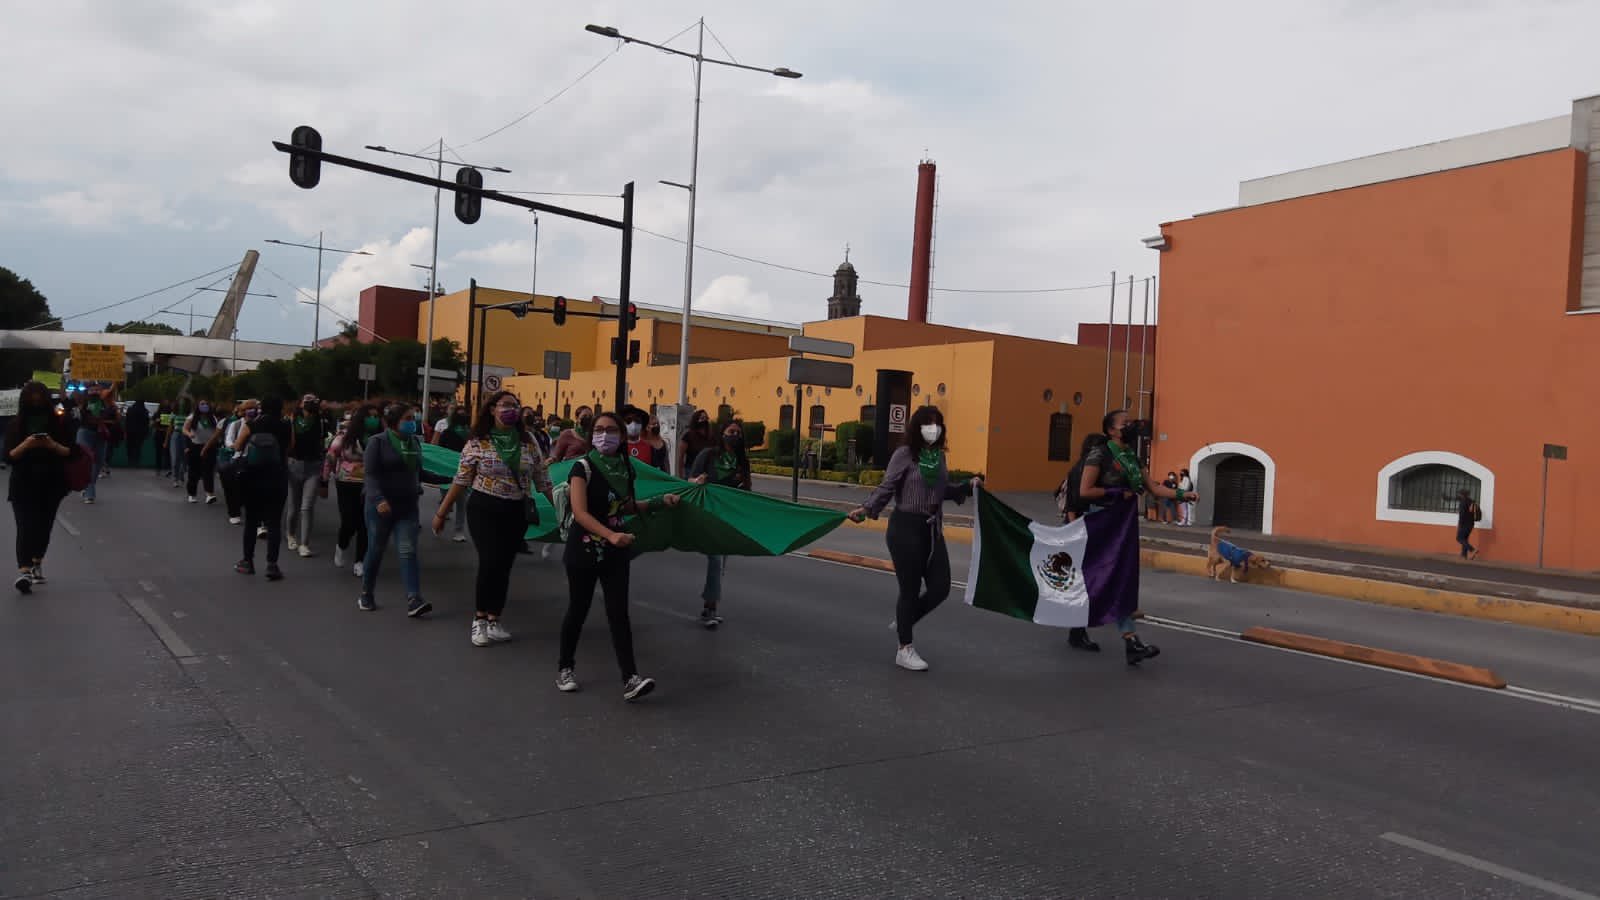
<point>1485,477</point>
<point>1203,469</point>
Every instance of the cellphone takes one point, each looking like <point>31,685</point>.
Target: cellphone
<point>39,434</point>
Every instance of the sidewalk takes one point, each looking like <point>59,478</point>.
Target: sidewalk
<point>1441,571</point>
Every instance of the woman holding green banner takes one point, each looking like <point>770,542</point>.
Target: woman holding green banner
<point>1111,474</point>
<point>918,481</point>
<point>598,551</point>
<point>727,465</point>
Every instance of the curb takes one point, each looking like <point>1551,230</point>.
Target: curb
<point>952,533</point>
<point>1472,606</point>
<point>852,559</point>
<point>1372,656</point>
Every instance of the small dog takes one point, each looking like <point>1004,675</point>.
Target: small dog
<point>1222,554</point>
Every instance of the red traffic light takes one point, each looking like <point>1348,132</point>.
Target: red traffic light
<point>560,314</point>
<point>633,316</point>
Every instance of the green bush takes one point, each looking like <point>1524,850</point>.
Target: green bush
<point>829,455</point>
<point>755,434</point>
<point>781,443</point>
<point>861,433</point>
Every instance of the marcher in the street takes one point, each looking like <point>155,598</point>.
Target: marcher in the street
<point>1077,508</point>
<point>453,432</point>
<point>1467,516</point>
<point>95,416</point>
<point>1111,474</point>
<point>500,469</point>
<point>176,442</point>
<point>198,432</point>
<point>574,442</point>
<point>639,444</point>
<point>917,479</point>
<point>161,436</point>
<point>695,440</point>
<point>232,496</point>
<point>658,446</point>
<point>541,436</point>
<point>261,460</point>
<point>347,464</point>
<point>38,442</point>
<point>391,484</point>
<point>308,445</point>
<point>136,431</point>
<point>728,466</point>
<point>598,552</point>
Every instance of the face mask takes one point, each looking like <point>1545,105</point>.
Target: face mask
<point>930,434</point>
<point>372,423</point>
<point>655,429</point>
<point>607,443</point>
<point>408,427</point>
<point>205,407</point>
<point>634,429</point>
<point>702,424</point>
<point>1129,435</point>
<point>509,416</point>
<point>459,418</point>
<point>733,441</point>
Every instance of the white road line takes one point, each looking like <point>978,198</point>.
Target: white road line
<point>1483,865</point>
<point>175,644</point>
<point>149,586</point>
<point>62,521</point>
<point>1582,703</point>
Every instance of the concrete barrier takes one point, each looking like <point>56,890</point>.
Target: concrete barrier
<point>1372,656</point>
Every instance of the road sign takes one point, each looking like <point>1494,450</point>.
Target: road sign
<point>97,362</point>
<point>897,417</point>
<point>821,372</point>
<point>558,365</point>
<point>367,372</point>
<point>799,343</point>
<point>1555,451</point>
<point>491,383</point>
<point>10,402</point>
<point>441,374</point>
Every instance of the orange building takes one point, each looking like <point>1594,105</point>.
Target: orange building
<point>1360,340</point>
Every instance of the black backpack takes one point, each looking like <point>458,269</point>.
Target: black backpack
<point>261,452</point>
<point>1068,498</point>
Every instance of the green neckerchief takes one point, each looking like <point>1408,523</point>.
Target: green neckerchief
<point>95,407</point>
<point>305,424</point>
<point>928,463</point>
<point>1128,464</point>
<point>407,450</point>
<point>460,431</point>
<point>726,465</point>
<point>614,468</point>
<point>508,446</point>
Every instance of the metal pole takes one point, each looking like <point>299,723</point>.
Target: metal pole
<point>688,253</point>
<point>1544,494</point>
<point>1127,345</point>
<point>1111,318</point>
<point>1144,332</point>
<point>433,283</point>
<point>233,367</point>
<point>482,316</point>
<point>533,290</point>
<point>623,292</point>
<point>471,392</point>
<point>316,315</point>
<point>794,492</point>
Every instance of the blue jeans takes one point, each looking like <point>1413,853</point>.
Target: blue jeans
<point>177,447</point>
<point>404,527</point>
<point>716,566</point>
<point>90,438</point>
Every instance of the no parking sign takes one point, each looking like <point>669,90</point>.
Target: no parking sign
<point>897,417</point>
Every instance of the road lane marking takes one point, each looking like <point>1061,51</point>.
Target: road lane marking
<point>175,645</point>
<point>1571,702</point>
<point>1483,865</point>
<point>149,586</point>
<point>62,521</point>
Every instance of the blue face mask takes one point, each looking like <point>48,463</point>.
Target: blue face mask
<point>408,427</point>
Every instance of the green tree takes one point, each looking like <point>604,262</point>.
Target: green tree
<point>22,306</point>
<point>139,327</point>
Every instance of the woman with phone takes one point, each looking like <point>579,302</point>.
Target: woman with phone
<point>37,444</point>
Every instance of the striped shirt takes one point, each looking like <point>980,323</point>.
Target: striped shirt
<point>903,482</point>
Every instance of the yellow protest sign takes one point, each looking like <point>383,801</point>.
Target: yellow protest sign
<point>97,362</point>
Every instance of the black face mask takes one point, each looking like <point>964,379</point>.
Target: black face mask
<point>459,419</point>
<point>702,425</point>
<point>1129,435</point>
<point>734,442</point>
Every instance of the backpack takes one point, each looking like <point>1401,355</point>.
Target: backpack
<point>561,497</point>
<point>1477,513</point>
<point>1067,494</point>
<point>261,451</point>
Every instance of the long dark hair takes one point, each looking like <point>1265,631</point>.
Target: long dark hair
<point>59,428</point>
<point>695,439</point>
<point>271,407</point>
<point>1090,442</point>
<point>484,422</point>
<point>357,429</point>
<point>743,459</point>
<point>1110,417</point>
<point>194,417</point>
<point>926,415</point>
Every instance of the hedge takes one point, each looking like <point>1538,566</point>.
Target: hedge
<point>755,434</point>
<point>861,433</point>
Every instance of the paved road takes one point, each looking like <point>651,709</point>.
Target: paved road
<point>173,729</point>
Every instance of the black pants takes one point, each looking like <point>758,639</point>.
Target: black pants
<point>264,497</point>
<point>920,557</point>
<point>1464,538</point>
<point>352,517</point>
<point>135,444</point>
<point>163,454</point>
<point>36,518</point>
<point>232,494</point>
<point>581,581</point>
<point>202,467</point>
<point>497,526</point>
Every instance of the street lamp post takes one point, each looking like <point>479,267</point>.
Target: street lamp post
<point>433,277</point>
<point>700,59</point>
<point>316,319</point>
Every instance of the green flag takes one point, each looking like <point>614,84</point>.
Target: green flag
<point>710,518</point>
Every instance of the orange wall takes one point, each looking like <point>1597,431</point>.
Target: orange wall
<point>1341,331</point>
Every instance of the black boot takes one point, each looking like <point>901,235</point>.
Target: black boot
<point>1079,639</point>
<point>1138,651</point>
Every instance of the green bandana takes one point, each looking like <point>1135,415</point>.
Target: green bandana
<point>928,463</point>
<point>726,465</point>
<point>408,451</point>
<point>460,431</point>
<point>508,446</point>
<point>614,468</point>
<point>1129,465</point>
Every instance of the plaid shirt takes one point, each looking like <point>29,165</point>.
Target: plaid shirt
<point>903,482</point>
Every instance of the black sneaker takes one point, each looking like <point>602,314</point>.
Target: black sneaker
<point>709,619</point>
<point>365,603</point>
<point>245,567</point>
<point>1138,651</point>
<point>1078,638</point>
<point>23,584</point>
<point>637,686</point>
<point>273,572</point>
<point>417,607</point>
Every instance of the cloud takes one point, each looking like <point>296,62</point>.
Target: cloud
<point>109,205</point>
<point>390,264</point>
<point>733,295</point>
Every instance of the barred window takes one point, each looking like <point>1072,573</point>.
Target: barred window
<point>1431,488</point>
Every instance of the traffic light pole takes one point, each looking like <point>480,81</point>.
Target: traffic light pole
<point>623,303</point>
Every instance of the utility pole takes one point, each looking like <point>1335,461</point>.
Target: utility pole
<point>433,284</point>
<point>316,326</point>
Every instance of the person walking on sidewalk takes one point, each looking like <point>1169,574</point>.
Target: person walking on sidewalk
<point>198,432</point>
<point>500,469</point>
<point>347,463</point>
<point>38,442</point>
<point>307,445</point>
<point>263,482</point>
<point>918,480</point>
<point>391,483</point>
<point>1467,515</point>
<point>598,552</point>
<point>1111,474</point>
<point>728,466</point>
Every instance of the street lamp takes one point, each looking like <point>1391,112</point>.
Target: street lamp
<point>700,59</point>
<point>433,278</point>
<point>316,318</point>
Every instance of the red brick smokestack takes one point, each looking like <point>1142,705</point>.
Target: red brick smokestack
<point>921,245</point>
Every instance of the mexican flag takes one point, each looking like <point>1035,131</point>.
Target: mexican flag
<point>1084,573</point>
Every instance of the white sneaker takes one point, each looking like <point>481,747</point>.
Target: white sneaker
<point>460,538</point>
<point>566,681</point>
<point>338,557</point>
<point>261,531</point>
<point>480,633</point>
<point>305,551</point>
<point>234,520</point>
<point>907,658</point>
<point>211,499</point>
<point>288,540</point>
<point>498,632</point>
<point>192,499</point>
<point>359,569</point>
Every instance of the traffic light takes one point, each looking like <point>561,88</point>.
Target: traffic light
<point>304,170</point>
<point>633,316</point>
<point>560,314</point>
<point>520,310</point>
<point>633,352</point>
<point>469,206</point>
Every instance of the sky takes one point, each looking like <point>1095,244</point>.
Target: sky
<point>139,152</point>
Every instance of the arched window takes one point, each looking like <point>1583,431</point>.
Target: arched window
<point>1425,488</point>
<point>786,416</point>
